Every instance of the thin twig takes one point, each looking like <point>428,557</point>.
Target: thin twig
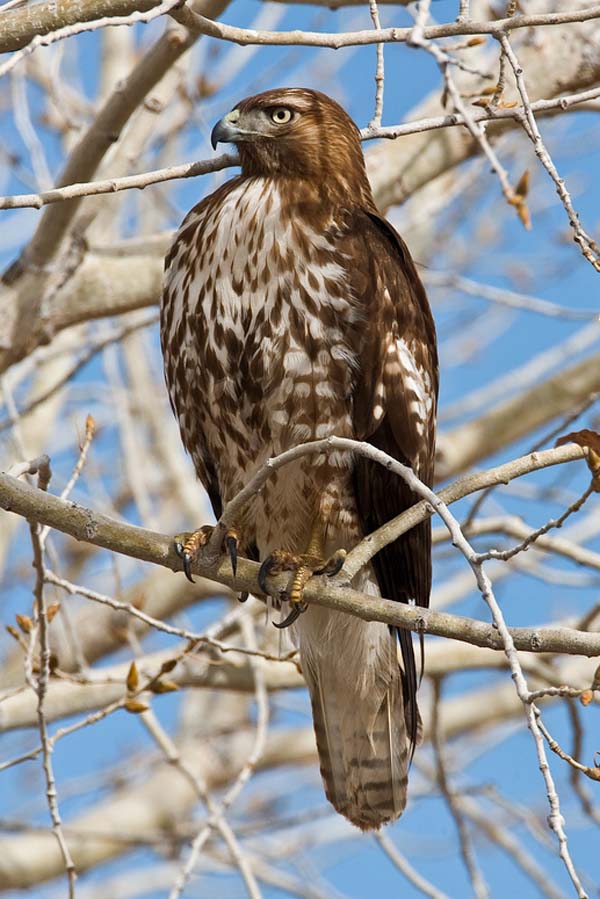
<point>203,167</point>
<point>80,27</point>
<point>510,298</point>
<point>379,71</point>
<point>96,348</point>
<point>41,687</point>
<point>112,185</point>
<point>218,821</point>
<point>513,526</point>
<point>588,246</point>
<point>575,780</point>
<point>505,555</point>
<point>592,773</point>
<point>247,36</point>
<point>404,866</point>
<point>476,130</point>
<point>555,818</point>
<point>480,887</point>
<point>262,720</point>
<point>196,639</point>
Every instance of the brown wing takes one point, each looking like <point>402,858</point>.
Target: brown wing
<point>394,409</point>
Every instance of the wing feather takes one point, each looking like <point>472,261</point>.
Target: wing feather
<point>394,406</point>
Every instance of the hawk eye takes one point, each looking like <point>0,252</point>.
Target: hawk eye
<point>281,115</point>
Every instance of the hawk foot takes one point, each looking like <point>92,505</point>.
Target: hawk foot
<point>188,545</point>
<point>304,567</point>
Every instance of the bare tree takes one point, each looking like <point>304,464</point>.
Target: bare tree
<point>161,723</point>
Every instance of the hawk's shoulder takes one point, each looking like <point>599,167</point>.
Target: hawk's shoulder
<point>399,365</point>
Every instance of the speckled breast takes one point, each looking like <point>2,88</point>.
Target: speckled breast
<point>257,322</point>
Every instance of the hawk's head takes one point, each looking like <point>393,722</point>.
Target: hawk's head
<point>299,133</point>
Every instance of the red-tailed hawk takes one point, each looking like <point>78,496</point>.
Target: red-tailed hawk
<point>293,311</point>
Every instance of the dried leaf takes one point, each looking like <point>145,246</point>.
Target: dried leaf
<point>132,678</point>
<point>164,686</point>
<point>522,188</point>
<point>586,697</point>
<point>135,706</point>
<point>25,623</point>
<point>51,611</point>
<point>13,632</point>
<point>585,438</point>
<point>590,440</point>
<point>523,213</point>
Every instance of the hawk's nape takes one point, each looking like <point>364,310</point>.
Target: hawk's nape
<point>292,311</point>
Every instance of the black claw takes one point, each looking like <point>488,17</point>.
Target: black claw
<point>231,544</point>
<point>339,564</point>
<point>263,574</point>
<point>187,559</point>
<point>243,596</point>
<point>295,613</point>
<point>333,566</point>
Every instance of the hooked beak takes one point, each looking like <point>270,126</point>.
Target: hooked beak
<point>225,131</point>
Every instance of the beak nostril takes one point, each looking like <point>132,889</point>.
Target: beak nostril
<point>225,131</point>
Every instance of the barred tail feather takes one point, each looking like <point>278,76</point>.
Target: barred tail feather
<point>361,731</point>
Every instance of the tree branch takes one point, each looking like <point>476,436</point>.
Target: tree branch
<point>206,166</point>
<point>100,530</point>
<point>20,26</point>
<point>248,36</point>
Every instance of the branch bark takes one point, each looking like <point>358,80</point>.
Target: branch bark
<point>100,530</point>
<point>248,36</point>
<point>20,26</point>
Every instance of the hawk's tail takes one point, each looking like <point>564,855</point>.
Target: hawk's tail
<point>359,718</point>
